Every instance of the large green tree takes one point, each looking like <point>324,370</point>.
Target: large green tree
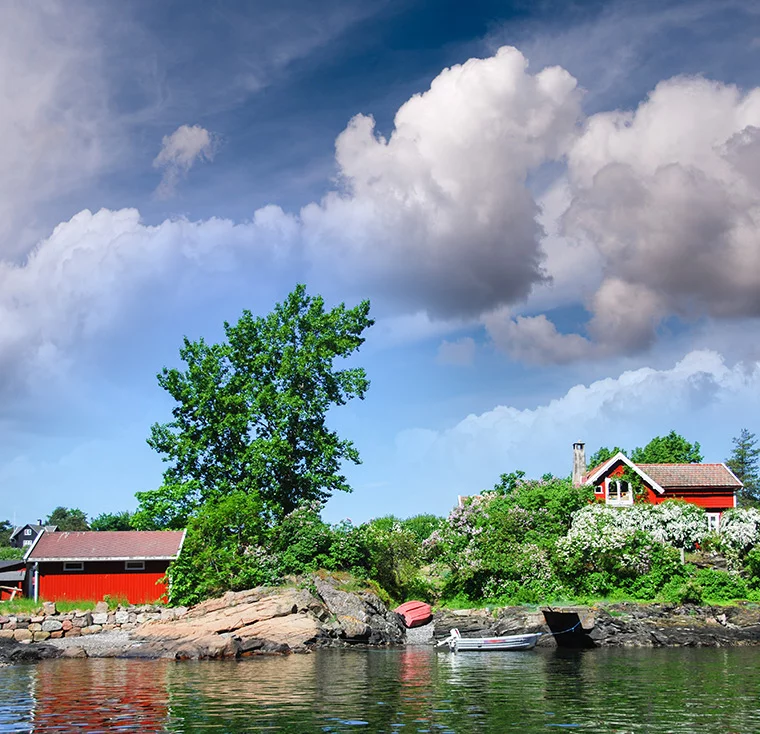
<point>68,519</point>
<point>251,412</point>
<point>603,454</point>
<point>670,449</point>
<point>112,521</point>
<point>744,463</point>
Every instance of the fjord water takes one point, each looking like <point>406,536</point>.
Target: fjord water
<point>405,690</point>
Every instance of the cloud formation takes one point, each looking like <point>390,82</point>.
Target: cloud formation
<point>438,214</point>
<point>460,352</point>
<point>700,395</point>
<point>55,131</point>
<point>668,195</point>
<point>179,151</point>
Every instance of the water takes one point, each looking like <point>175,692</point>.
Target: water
<point>395,691</point>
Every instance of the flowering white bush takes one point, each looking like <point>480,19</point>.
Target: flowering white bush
<point>676,523</point>
<point>740,529</point>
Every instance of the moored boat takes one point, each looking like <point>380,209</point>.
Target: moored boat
<point>415,613</point>
<point>457,643</point>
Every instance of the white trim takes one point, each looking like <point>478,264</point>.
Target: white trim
<point>620,456</point>
<point>181,543</point>
<point>104,558</point>
<point>738,481</point>
<point>33,545</point>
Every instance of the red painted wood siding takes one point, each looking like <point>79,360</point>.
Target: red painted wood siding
<point>100,578</point>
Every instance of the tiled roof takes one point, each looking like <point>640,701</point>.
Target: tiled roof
<point>108,544</point>
<point>691,475</point>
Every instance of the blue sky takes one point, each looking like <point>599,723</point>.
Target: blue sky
<point>552,206</point>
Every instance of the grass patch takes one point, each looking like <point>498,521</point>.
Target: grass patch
<point>29,606</point>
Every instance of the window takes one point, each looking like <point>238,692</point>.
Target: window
<point>134,565</point>
<point>73,566</point>
<point>26,542</point>
<point>619,492</point>
<point>27,531</point>
<point>713,522</point>
<point>599,489</point>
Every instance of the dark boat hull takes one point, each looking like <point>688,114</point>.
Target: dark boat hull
<point>568,630</point>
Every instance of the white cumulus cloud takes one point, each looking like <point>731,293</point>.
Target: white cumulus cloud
<point>669,196</point>
<point>179,151</point>
<point>700,395</point>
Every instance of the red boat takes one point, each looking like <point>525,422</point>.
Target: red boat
<point>415,613</point>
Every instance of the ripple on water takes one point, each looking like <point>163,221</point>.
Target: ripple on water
<point>413,689</point>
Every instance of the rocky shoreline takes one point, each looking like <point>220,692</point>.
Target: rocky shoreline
<point>325,613</point>
<point>619,625</point>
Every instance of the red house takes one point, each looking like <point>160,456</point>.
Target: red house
<point>711,486</point>
<point>125,564</point>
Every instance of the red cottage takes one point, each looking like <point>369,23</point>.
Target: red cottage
<point>711,486</point>
<point>126,564</point>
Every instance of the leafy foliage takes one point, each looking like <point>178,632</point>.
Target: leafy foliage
<point>743,462</point>
<point>112,521</point>
<point>603,454</point>
<point>250,412</point>
<point>68,519</point>
<point>5,533</point>
<point>11,554</point>
<point>670,449</point>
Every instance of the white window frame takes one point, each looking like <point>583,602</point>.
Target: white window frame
<point>134,565</point>
<point>615,498</point>
<point>26,543</point>
<point>73,565</point>
<point>27,531</point>
<point>713,521</point>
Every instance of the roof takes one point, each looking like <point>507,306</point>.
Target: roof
<point>13,576</point>
<point>36,528</point>
<point>108,545</point>
<point>15,564</point>
<point>692,475</point>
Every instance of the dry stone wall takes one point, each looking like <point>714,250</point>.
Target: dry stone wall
<point>49,624</point>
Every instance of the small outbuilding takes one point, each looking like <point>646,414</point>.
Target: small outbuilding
<point>122,564</point>
<point>12,575</point>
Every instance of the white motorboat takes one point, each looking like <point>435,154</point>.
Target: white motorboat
<point>457,643</point>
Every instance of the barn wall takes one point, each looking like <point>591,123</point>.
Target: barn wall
<point>100,578</point>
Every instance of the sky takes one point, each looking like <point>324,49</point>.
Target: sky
<point>553,208</point>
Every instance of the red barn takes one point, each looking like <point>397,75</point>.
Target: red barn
<point>711,486</point>
<point>123,564</point>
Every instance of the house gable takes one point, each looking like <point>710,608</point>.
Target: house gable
<point>604,471</point>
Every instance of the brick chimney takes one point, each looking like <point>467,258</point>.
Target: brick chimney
<point>579,463</point>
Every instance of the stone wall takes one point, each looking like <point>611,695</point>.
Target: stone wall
<point>48,623</point>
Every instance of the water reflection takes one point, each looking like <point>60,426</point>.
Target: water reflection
<point>415,689</point>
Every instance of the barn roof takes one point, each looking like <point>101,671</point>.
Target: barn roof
<point>108,545</point>
<point>691,475</point>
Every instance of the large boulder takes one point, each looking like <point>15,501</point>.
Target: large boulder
<point>362,616</point>
<point>14,652</point>
<point>271,621</point>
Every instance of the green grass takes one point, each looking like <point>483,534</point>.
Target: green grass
<point>29,606</point>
